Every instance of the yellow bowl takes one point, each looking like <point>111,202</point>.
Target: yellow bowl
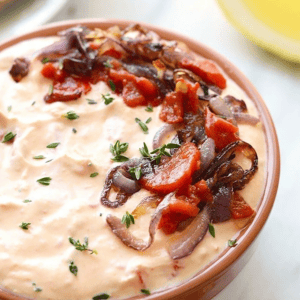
<point>272,25</point>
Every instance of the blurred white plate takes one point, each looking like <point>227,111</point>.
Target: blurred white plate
<point>20,16</point>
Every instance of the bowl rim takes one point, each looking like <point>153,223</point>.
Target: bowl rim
<point>228,256</point>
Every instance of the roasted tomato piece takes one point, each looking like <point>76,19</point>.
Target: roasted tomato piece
<point>239,208</point>
<point>51,71</point>
<point>174,173</point>
<point>172,108</point>
<point>189,93</point>
<point>176,212</point>
<point>220,130</point>
<point>132,96</point>
<point>207,70</point>
<point>133,85</point>
<point>68,90</point>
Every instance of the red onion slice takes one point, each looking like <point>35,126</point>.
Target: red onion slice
<point>245,118</point>
<point>120,230</point>
<point>218,106</point>
<point>162,133</point>
<point>220,207</point>
<point>126,184</point>
<point>208,153</point>
<point>183,244</point>
<point>146,204</point>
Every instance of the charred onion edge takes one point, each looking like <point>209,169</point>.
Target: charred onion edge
<point>226,153</point>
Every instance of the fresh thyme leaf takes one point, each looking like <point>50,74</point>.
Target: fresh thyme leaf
<point>9,108</point>
<point>45,60</point>
<point>35,288</point>
<point>142,125</point>
<point>71,115</point>
<point>44,180</point>
<point>82,246</point>
<point>128,219</point>
<point>112,85</point>
<point>27,201</point>
<point>116,151</point>
<point>135,172</point>
<point>146,292</point>
<point>94,174</point>
<point>50,91</point>
<point>232,243</point>
<point>24,225</point>
<point>73,268</point>
<point>205,90</point>
<point>91,101</point>
<point>32,103</point>
<point>148,120</point>
<point>53,145</point>
<point>101,296</point>
<point>74,130</point>
<point>161,151</point>
<point>48,161</point>
<point>107,98</point>
<point>144,151</point>
<point>39,157</point>
<point>149,108</point>
<point>107,64</point>
<point>211,230</point>
<point>9,136</point>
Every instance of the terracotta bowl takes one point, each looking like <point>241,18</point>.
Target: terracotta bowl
<point>219,273</point>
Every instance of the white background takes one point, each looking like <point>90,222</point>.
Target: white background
<point>273,272</point>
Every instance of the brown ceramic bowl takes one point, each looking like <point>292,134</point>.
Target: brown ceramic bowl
<point>219,273</point>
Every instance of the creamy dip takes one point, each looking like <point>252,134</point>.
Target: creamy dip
<point>70,207</point>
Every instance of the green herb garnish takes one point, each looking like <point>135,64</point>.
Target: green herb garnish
<point>148,120</point>
<point>9,108</point>
<point>107,64</point>
<point>73,268</point>
<point>146,292</point>
<point>135,172</point>
<point>91,101</point>
<point>27,201</point>
<point>128,219</point>
<point>232,243</point>
<point>24,225</point>
<point>45,60</point>
<point>112,85</point>
<point>74,130</point>
<point>82,247</point>
<point>44,180</point>
<point>107,98</point>
<point>94,174</point>
<point>205,90</point>
<point>9,136</point>
<point>32,103</point>
<point>52,145</point>
<point>50,91</point>
<point>39,157</point>
<point>71,115</point>
<point>48,161</point>
<point>211,230</point>
<point>36,289</point>
<point>149,108</point>
<point>158,151</point>
<point>101,296</point>
<point>142,125</point>
<point>116,151</point>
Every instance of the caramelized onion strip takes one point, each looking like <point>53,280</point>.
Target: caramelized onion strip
<point>120,230</point>
<point>182,244</point>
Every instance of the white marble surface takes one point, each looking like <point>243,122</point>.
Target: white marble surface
<point>274,271</point>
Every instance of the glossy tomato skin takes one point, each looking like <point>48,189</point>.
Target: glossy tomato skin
<point>175,173</point>
<point>221,131</point>
<point>239,208</point>
<point>207,70</point>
